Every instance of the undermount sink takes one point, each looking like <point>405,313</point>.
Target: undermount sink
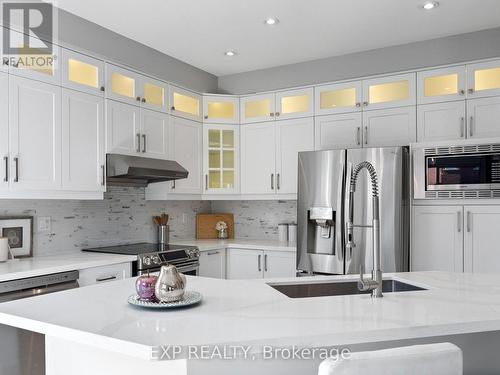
<point>338,288</point>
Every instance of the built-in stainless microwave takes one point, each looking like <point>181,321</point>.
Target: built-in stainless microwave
<point>461,171</point>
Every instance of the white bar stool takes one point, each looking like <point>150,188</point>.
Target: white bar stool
<point>433,359</point>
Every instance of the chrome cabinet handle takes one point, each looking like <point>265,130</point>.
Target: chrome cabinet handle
<point>173,184</point>
<point>272,181</point>
<point>6,158</point>
<point>462,127</point>
<point>206,182</point>
<point>265,262</point>
<point>469,225</point>
<point>470,126</point>
<point>358,135</point>
<point>106,278</point>
<point>213,253</point>
<point>16,160</point>
<point>459,221</point>
<point>138,135</point>
<point>103,182</point>
<point>144,143</point>
<point>366,135</point>
<point>278,181</point>
<point>258,262</point>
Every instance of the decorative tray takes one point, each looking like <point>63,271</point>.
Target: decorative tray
<point>190,298</point>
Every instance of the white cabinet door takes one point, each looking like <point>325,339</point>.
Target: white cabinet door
<point>122,85</point>
<point>389,92</point>
<point>338,131</point>
<point>104,274</point>
<point>441,121</point>
<point>389,127</point>
<point>83,166</point>
<point>437,238</point>
<point>186,148</point>
<point>279,264</point>
<point>83,73</point>
<point>294,103</point>
<point>292,137</point>
<point>245,264</point>
<point>482,225</point>
<point>338,98</point>
<point>35,134</point>
<point>257,108</point>
<point>154,134</point>
<point>153,93</point>
<point>220,109</point>
<point>484,117</point>
<point>483,79</point>
<point>258,158</point>
<point>184,103</point>
<point>441,85</point>
<point>213,263</point>
<point>123,129</point>
<point>4,130</point>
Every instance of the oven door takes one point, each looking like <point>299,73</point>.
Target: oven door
<point>188,268</point>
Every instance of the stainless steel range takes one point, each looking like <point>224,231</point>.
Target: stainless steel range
<point>150,257</point>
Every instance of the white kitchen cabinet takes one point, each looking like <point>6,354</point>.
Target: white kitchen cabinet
<point>122,85</point>
<point>4,130</point>
<point>221,159</point>
<point>292,137</point>
<point>338,131</point>
<point>245,264</point>
<point>389,127</point>
<point>213,263</point>
<point>103,274</point>
<point>257,108</point>
<point>154,94</point>
<point>83,158</point>
<point>221,109</point>
<point>437,238</point>
<point>123,128</point>
<point>34,134</point>
<point>83,73</point>
<point>483,79</point>
<point>154,134</point>
<point>482,225</point>
<point>184,103</point>
<point>258,158</point>
<point>441,85</point>
<point>279,264</point>
<point>483,117</point>
<point>294,103</point>
<point>389,92</point>
<point>338,98</point>
<point>441,121</point>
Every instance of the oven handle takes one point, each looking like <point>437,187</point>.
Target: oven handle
<point>190,267</point>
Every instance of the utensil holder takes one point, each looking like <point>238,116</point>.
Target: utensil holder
<point>163,234</point>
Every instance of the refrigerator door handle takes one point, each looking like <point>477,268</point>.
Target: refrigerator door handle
<point>347,252</point>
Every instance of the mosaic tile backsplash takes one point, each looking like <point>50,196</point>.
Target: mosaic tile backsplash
<point>125,216</point>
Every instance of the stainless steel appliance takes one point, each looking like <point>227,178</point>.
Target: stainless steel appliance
<point>23,352</point>
<point>150,257</point>
<point>322,210</point>
<point>458,171</point>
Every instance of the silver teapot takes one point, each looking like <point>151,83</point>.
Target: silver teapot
<point>170,284</point>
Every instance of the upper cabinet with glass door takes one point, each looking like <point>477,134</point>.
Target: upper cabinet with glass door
<point>153,93</point>
<point>294,104</point>
<point>483,79</point>
<point>83,73</point>
<point>389,92</point>
<point>184,103</point>
<point>338,98</point>
<point>220,109</point>
<point>441,85</point>
<point>257,108</point>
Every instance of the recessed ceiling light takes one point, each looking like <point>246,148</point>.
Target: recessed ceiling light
<point>271,21</point>
<point>430,5</point>
<point>229,53</point>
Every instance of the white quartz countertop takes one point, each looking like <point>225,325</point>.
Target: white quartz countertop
<point>270,245</point>
<point>250,312</point>
<point>44,265</point>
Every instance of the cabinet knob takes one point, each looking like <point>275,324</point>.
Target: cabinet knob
<point>470,91</point>
<point>271,114</point>
<point>138,98</point>
<point>358,105</point>
<point>365,104</point>
<point>102,88</point>
<point>462,92</point>
<point>172,108</point>
<point>143,100</point>
<point>277,114</point>
<point>206,117</point>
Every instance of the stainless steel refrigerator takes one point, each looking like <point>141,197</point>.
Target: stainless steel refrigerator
<point>323,182</point>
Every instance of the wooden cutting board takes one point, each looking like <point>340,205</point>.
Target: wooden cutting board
<point>205,225</point>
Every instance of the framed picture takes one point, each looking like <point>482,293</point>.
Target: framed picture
<point>19,231</point>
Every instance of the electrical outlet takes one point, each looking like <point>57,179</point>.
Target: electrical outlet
<point>184,218</point>
<point>44,223</point>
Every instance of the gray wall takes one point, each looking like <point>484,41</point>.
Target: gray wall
<point>449,50</point>
<point>83,34</point>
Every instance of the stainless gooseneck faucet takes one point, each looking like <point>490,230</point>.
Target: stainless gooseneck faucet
<point>375,283</point>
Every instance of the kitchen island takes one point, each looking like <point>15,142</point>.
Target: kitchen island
<point>93,330</point>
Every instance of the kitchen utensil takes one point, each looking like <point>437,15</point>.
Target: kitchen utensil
<point>283,232</point>
<point>145,287</point>
<point>163,234</point>
<point>170,284</point>
<point>190,298</point>
<point>205,225</point>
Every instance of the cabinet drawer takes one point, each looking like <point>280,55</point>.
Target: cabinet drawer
<point>97,275</point>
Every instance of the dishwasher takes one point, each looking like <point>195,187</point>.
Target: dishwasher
<point>23,352</point>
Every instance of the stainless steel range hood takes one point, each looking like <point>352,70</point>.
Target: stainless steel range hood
<point>122,170</point>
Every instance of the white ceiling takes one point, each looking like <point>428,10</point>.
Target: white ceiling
<point>198,32</point>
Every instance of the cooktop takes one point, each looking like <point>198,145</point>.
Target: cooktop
<point>137,248</point>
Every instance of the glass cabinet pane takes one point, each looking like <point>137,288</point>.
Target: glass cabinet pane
<point>389,92</point>
<point>186,104</point>
<point>441,85</point>
<point>213,138</point>
<point>227,138</point>
<point>213,159</point>
<point>294,104</point>
<point>220,110</point>
<point>83,73</point>
<point>487,79</point>
<point>154,94</point>
<point>221,159</point>
<point>228,179</point>
<point>228,159</point>
<point>214,180</point>
<point>258,108</point>
<point>122,85</point>
<point>338,98</point>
